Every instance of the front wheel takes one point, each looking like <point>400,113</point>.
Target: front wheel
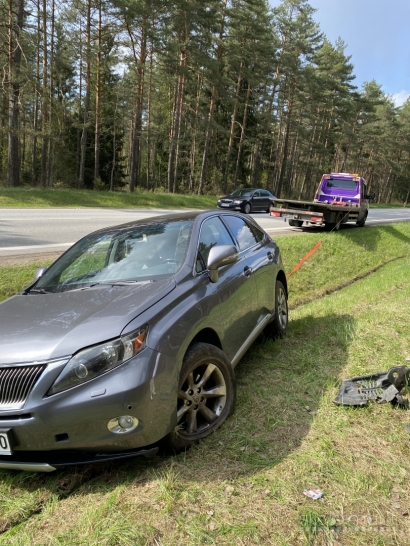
<point>277,328</point>
<point>362,222</point>
<point>247,208</point>
<point>206,396</point>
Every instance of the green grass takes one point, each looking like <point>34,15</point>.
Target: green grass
<point>244,485</point>
<point>88,198</point>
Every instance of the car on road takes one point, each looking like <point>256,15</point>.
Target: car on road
<point>128,342</point>
<point>247,200</point>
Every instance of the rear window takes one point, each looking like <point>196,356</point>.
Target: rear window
<point>342,183</point>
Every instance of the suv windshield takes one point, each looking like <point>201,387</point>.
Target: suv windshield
<point>241,193</point>
<point>141,253</point>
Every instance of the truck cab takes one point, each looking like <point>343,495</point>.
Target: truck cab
<point>341,188</point>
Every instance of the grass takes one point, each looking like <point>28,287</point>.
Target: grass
<point>244,485</point>
<point>37,197</point>
<point>20,197</point>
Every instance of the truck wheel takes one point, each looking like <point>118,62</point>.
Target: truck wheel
<point>279,325</point>
<point>339,218</point>
<point>362,222</point>
<point>206,396</point>
<point>295,223</point>
<point>331,226</point>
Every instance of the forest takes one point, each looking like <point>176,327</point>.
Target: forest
<point>189,96</point>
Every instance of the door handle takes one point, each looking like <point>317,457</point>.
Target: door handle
<point>247,271</point>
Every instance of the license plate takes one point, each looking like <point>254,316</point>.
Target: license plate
<point>284,215</point>
<point>224,204</point>
<point>6,443</point>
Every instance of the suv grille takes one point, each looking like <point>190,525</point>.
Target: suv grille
<point>16,384</point>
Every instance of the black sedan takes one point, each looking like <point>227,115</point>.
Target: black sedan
<point>128,342</point>
<point>247,200</point>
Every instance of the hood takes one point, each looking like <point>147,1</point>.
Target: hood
<point>37,327</point>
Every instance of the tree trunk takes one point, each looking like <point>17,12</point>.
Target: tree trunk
<point>241,139</point>
<point>135,167</point>
<point>286,143</point>
<point>50,113</point>
<point>173,159</point>
<point>98,101</point>
<point>14,59</point>
<point>35,113</point>
<point>211,107</point>
<point>149,102</point>
<point>44,105</point>
<point>232,130</point>
<point>83,145</point>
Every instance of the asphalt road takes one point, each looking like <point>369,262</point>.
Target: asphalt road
<point>28,232</point>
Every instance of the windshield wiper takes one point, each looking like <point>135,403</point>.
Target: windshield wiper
<point>36,291</point>
<point>111,283</point>
<point>124,283</point>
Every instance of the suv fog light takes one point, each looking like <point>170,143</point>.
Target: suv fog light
<point>122,424</point>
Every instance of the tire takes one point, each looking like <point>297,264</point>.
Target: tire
<point>296,223</point>
<point>362,222</point>
<point>339,218</point>
<point>247,208</point>
<point>277,328</point>
<point>331,226</point>
<point>206,397</point>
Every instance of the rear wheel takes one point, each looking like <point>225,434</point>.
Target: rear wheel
<point>332,226</point>
<point>206,396</point>
<point>277,328</point>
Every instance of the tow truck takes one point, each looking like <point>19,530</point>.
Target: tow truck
<point>339,198</point>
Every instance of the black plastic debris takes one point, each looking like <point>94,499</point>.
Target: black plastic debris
<point>381,387</point>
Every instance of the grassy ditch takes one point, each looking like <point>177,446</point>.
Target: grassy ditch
<point>244,485</point>
<point>89,198</point>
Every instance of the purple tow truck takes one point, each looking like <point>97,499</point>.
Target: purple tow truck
<point>339,198</point>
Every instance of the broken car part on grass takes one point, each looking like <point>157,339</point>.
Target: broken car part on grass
<point>381,387</point>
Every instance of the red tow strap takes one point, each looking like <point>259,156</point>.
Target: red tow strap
<point>303,260</point>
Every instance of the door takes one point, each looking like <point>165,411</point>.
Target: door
<point>235,287</point>
<point>261,255</point>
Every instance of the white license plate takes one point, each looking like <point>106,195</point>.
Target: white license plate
<point>284,215</point>
<point>224,204</point>
<point>6,447</point>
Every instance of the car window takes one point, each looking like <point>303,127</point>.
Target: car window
<point>140,253</point>
<point>258,233</point>
<point>257,194</point>
<point>241,232</point>
<point>241,193</point>
<point>213,233</point>
<point>265,193</point>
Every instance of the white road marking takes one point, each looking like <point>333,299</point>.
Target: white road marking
<point>31,247</point>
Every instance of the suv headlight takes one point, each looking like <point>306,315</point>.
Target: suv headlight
<point>94,361</point>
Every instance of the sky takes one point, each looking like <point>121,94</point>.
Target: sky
<point>377,36</point>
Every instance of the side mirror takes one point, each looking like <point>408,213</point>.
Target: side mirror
<point>219,256</point>
<point>38,272</point>
<point>371,195</point>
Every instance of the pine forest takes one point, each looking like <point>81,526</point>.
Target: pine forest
<point>189,96</point>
